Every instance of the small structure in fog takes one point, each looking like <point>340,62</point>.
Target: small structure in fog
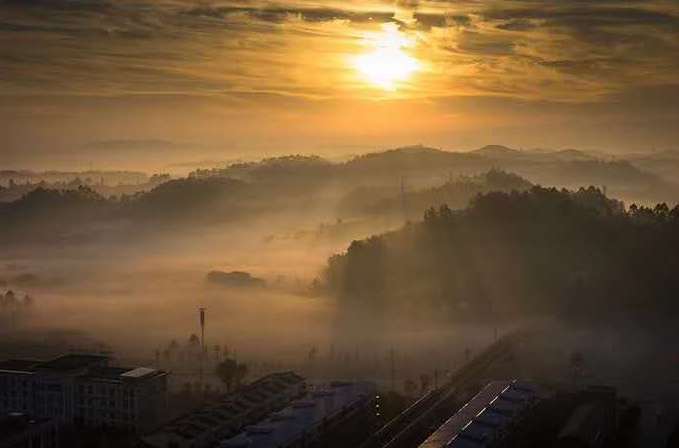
<point>237,279</point>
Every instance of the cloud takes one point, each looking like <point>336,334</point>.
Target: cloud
<point>281,14</point>
<point>533,49</point>
<point>427,21</point>
<point>478,43</point>
<point>72,5</point>
<point>518,25</point>
<point>587,15</point>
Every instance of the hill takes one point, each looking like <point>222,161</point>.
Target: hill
<point>455,192</point>
<point>311,189</point>
<point>542,252</point>
<point>497,151</point>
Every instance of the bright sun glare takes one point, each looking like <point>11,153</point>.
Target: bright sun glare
<point>387,64</point>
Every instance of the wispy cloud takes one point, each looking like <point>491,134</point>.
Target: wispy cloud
<point>548,48</point>
<point>263,53</point>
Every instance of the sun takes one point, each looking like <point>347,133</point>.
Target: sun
<point>387,64</point>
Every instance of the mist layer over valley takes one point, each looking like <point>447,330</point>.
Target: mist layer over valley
<point>414,254</point>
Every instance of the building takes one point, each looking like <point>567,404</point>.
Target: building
<point>22,431</point>
<point>308,420</point>
<point>85,390</point>
<point>592,423</point>
<point>486,418</point>
<point>208,425</point>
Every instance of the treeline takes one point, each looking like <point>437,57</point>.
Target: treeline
<point>43,211</point>
<point>455,193</point>
<point>560,168</point>
<point>15,184</point>
<point>307,188</point>
<point>541,252</point>
<point>46,214</point>
<point>49,214</point>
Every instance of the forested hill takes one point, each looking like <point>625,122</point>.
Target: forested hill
<point>541,252</point>
<point>419,165</point>
<point>455,193</point>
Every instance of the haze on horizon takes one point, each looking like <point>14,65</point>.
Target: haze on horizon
<point>139,84</point>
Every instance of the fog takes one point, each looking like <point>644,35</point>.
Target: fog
<point>135,296</point>
<point>130,279</point>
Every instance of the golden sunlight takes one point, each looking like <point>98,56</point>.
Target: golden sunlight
<point>387,64</point>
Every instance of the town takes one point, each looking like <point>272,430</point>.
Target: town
<point>84,400</point>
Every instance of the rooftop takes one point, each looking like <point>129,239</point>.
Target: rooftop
<point>139,372</point>
<point>120,374</point>
<point>73,362</point>
<point>303,416</point>
<point>480,421</point>
<point>95,367</point>
<point>221,415</point>
<point>19,365</point>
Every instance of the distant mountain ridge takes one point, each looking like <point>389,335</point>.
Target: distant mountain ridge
<point>301,183</point>
<point>496,151</point>
<point>423,166</point>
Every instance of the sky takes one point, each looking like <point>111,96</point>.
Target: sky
<point>153,84</point>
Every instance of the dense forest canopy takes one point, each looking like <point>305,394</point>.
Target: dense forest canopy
<point>540,252</point>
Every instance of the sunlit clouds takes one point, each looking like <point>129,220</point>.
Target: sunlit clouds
<point>226,73</point>
<point>525,49</point>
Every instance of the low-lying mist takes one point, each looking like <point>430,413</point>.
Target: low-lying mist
<point>135,297</point>
<point>129,275</point>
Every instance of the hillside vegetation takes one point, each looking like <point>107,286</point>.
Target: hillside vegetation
<point>540,252</point>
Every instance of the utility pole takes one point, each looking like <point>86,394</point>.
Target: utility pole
<point>494,316</point>
<point>202,347</point>
<point>404,208</point>
<point>202,329</point>
<point>392,368</point>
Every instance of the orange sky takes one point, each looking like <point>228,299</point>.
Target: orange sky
<point>130,83</point>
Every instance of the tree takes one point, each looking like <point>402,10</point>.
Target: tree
<point>410,388</point>
<point>425,381</point>
<point>9,299</point>
<point>313,352</point>
<point>231,373</point>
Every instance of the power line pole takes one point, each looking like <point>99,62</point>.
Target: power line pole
<point>202,347</point>
<point>202,328</point>
<point>392,368</point>
<point>404,208</point>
